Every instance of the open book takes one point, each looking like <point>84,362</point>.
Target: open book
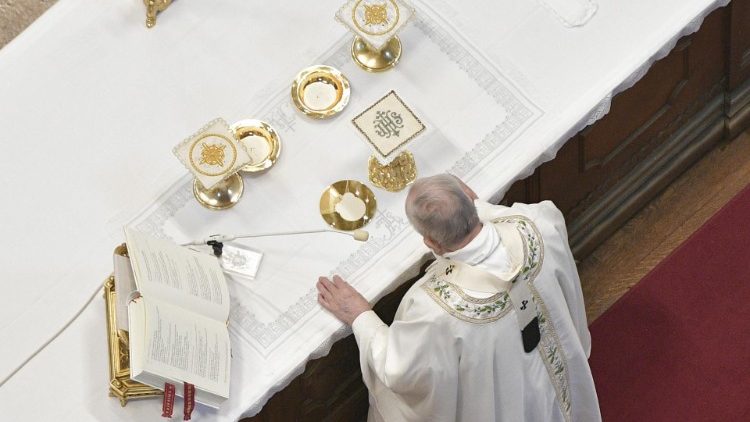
<point>177,312</point>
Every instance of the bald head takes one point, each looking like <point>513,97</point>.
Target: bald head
<point>440,209</point>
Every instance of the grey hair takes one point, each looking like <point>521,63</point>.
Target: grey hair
<point>438,207</point>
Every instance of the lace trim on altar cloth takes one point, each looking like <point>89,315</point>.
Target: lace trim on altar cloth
<point>479,311</point>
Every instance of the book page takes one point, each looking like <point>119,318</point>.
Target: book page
<point>174,274</point>
<point>181,346</point>
<point>124,286</point>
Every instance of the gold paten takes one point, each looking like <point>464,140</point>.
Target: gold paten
<point>223,195</point>
<point>120,384</point>
<point>326,75</point>
<point>154,7</point>
<point>333,194</point>
<point>395,175</point>
<point>250,127</point>
<point>373,60</point>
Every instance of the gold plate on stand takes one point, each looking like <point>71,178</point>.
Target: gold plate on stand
<point>223,195</point>
<point>373,60</point>
<point>346,192</point>
<point>264,155</point>
<point>395,175</point>
<point>320,91</point>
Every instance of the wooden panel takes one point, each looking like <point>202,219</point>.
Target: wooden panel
<point>739,48</point>
<point>640,119</point>
<point>738,98</point>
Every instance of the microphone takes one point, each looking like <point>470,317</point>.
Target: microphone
<point>358,234</point>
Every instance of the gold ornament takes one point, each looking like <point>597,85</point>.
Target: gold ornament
<point>376,14</point>
<point>213,155</point>
<point>394,176</point>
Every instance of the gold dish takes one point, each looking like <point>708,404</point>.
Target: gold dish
<point>313,81</point>
<point>251,127</point>
<point>334,195</point>
<point>373,60</point>
<point>223,195</point>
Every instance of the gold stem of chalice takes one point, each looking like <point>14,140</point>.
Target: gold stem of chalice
<point>373,60</point>
<point>221,196</point>
<point>395,175</point>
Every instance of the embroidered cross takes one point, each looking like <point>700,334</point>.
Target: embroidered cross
<point>377,14</point>
<point>449,269</point>
<point>213,155</point>
<point>523,304</point>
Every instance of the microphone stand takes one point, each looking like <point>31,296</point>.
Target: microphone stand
<point>216,241</point>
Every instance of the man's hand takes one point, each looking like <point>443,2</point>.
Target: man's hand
<point>340,299</point>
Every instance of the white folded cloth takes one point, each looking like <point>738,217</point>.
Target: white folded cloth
<point>571,13</point>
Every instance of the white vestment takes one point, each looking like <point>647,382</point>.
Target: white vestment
<point>455,354</point>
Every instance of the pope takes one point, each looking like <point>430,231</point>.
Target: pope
<point>496,328</point>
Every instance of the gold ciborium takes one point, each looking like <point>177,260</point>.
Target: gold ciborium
<point>222,195</point>
<point>375,24</point>
<point>374,60</point>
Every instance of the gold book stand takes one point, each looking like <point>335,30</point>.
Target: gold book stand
<point>120,384</point>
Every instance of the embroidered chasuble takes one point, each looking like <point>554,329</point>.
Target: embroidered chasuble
<point>454,351</point>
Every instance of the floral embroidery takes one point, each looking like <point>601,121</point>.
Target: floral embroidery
<point>463,306</point>
<point>549,347</point>
<point>459,304</point>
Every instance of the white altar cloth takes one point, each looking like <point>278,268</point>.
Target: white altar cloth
<point>98,101</point>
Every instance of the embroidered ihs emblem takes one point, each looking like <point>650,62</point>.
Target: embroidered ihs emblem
<point>376,14</point>
<point>388,123</point>
<point>213,155</point>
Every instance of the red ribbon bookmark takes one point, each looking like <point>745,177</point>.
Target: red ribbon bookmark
<point>167,404</point>
<point>188,391</point>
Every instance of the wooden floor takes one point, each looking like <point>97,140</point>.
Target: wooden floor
<point>653,233</point>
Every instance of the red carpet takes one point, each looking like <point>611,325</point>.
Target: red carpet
<point>677,346</point>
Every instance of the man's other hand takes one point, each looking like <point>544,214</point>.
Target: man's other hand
<point>340,299</point>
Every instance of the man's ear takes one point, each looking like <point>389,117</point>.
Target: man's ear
<point>432,244</point>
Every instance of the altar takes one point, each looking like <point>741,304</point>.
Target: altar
<point>516,101</point>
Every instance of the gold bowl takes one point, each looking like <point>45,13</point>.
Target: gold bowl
<point>320,91</point>
<point>264,156</point>
<point>347,191</point>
